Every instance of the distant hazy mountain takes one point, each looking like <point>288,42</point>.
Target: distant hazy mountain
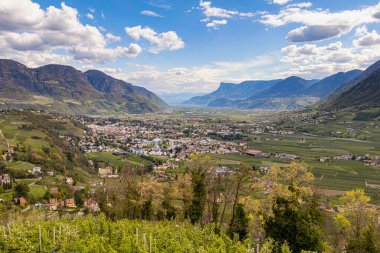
<point>67,90</point>
<point>289,87</point>
<point>292,92</point>
<point>232,91</point>
<point>365,94</point>
<point>284,95</point>
<point>330,84</point>
<point>178,98</point>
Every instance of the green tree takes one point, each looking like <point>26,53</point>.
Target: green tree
<point>22,190</point>
<point>199,195</point>
<point>240,225</point>
<point>198,165</point>
<point>78,198</point>
<point>295,222</point>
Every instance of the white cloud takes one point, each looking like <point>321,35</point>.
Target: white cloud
<point>211,12</point>
<point>320,24</point>
<point>161,41</point>
<point>112,38</point>
<point>216,23</point>
<point>150,13</point>
<point>300,5</point>
<point>90,16</point>
<point>311,60</point>
<point>317,32</point>
<point>199,78</point>
<point>28,32</point>
<point>364,38</point>
<point>92,10</point>
<point>281,2</point>
<point>103,55</point>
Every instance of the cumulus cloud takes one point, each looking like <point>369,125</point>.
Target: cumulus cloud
<point>312,60</point>
<point>211,12</point>
<point>103,55</point>
<point>27,32</point>
<point>112,38</point>
<point>364,38</point>
<point>198,78</point>
<point>161,41</point>
<point>150,13</point>
<point>215,23</point>
<point>320,24</point>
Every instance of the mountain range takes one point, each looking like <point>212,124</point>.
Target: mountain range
<point>361,93</point>
<point>65,89</point>
<point>292,92</point>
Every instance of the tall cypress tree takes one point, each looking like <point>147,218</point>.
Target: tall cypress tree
<point>199,195</point>
<point>240,224</point>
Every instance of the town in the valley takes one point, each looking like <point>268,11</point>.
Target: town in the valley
<point>160,145</point>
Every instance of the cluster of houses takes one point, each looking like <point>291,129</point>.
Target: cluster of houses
<point>366,159</point>
<point>260,154</point>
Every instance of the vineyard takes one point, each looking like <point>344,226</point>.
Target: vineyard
<point>98,234</point>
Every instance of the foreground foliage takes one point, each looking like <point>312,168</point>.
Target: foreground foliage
<point>97,234</point>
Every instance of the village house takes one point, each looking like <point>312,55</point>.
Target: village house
<point>107,172</point>
<point>69,180</point>
<point>35,171</point>
<point>92,205</point>
<point>54,190</point>
<point>221,170</point>
<point>53,204</point>
<point>20,201</point>
<point>325,159</point>
<point>5,179</point>
<point>68,203</point>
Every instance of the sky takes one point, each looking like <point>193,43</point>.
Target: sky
<point>174,46</point>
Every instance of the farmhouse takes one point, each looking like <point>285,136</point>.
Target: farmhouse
<point>107,172</point>
<point>5,179</point>
<point>53,204</point>
<point>92,205</point>
<point>35,171</point>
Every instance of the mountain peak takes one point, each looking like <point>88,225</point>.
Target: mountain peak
<point>63,88</point>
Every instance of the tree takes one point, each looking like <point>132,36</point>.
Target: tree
<point>366,243</point>
<point>357,221</point>
<point>242,176</point>
<point>198,165</point>
<point>78,198</point>
<point>199,196</point>
<point>295,222</point>
<point>22,190</point>
<point>240,225</point>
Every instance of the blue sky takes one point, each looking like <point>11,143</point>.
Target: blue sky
<point>172,46</point>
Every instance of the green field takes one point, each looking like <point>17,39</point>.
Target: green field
<point>37,191</point>
<point>116,161</point>
<point>20,166</point>
<point>337,175</point>
<point>17,131</point>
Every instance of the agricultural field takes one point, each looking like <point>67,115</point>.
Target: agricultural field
<point>20,166</point>
<point>37,191</point>
<point>337,175</point>
<point>100,235</point>
<point>107,158</point>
